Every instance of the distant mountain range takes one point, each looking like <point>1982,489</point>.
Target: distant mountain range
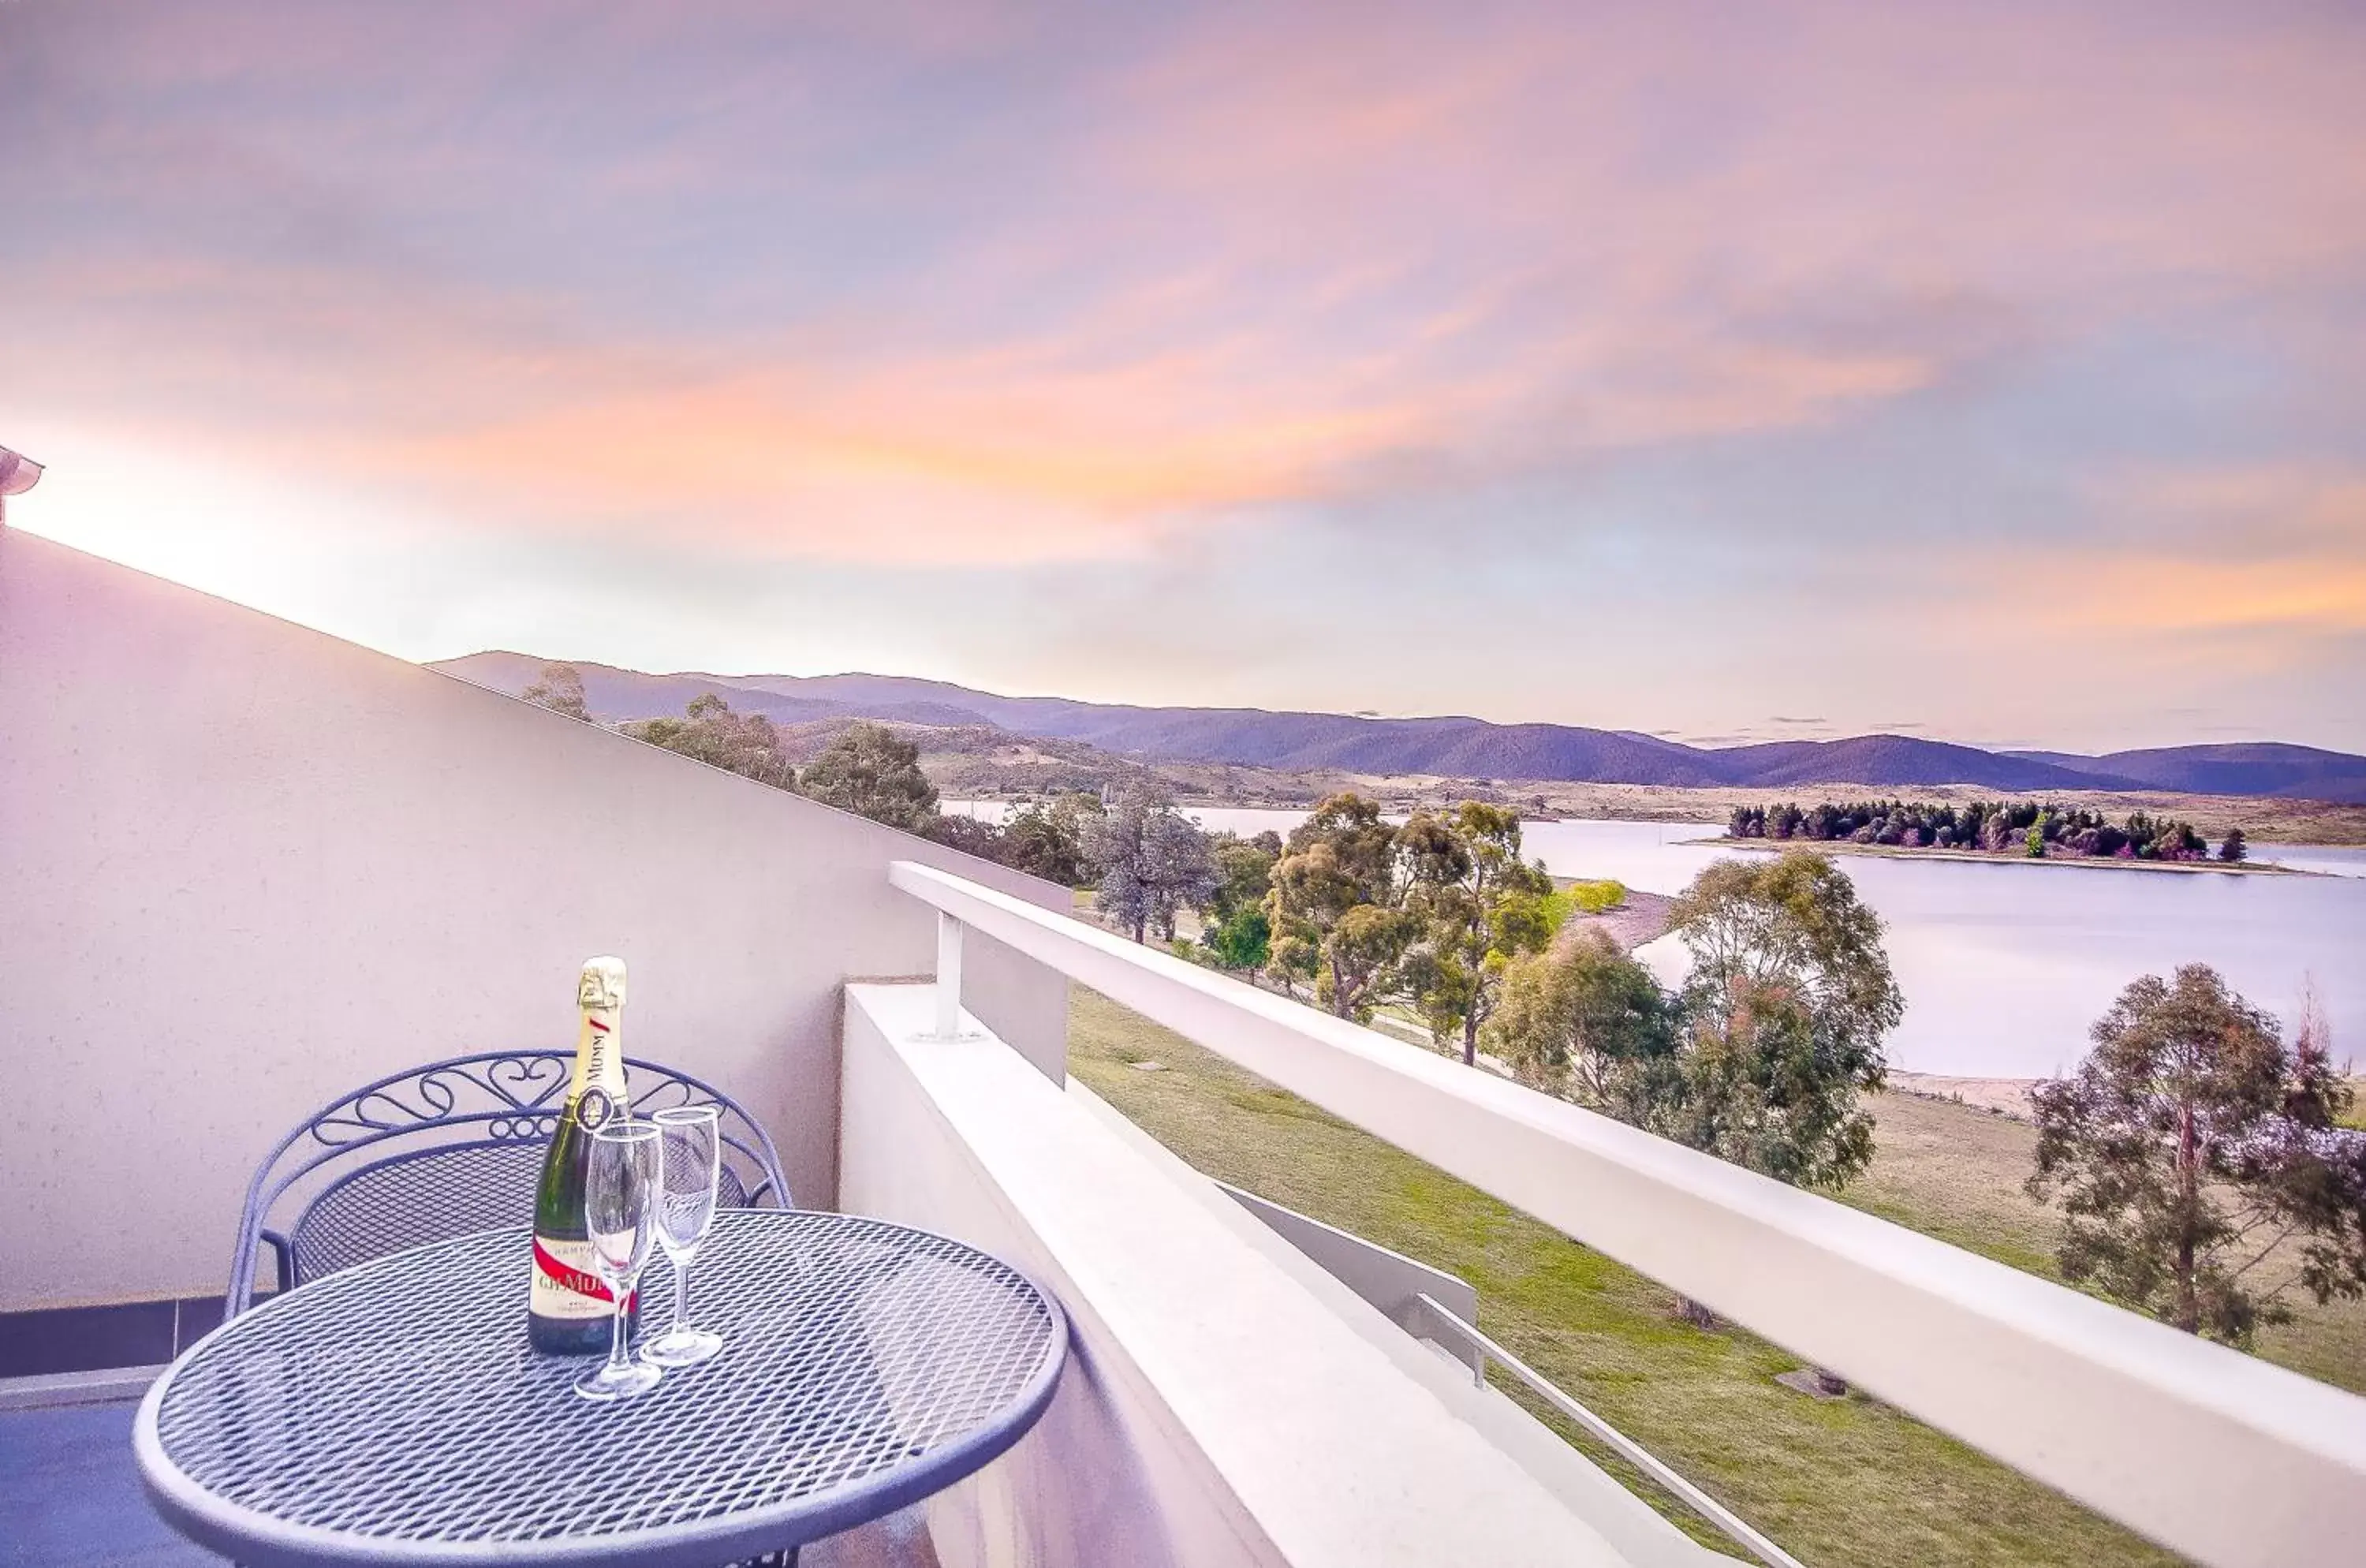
<point>1452,747</point>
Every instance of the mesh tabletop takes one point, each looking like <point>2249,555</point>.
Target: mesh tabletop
<point>394,1412</point>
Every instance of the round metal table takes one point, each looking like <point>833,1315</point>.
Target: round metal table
<point>392,1412</point>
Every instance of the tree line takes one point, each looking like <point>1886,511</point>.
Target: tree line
<point>866,768</point>
<point>1761,1055</point>
<point>2192,1145</point>
<point>1994,827</point>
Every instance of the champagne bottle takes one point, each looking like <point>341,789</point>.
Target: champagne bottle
<point>568,1308</point>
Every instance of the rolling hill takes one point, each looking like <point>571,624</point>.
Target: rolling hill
<point>2257,767</point>
<point>1452,747</point>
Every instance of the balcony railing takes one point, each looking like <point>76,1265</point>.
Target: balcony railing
<point>1449,1329</point>
<point>2214,1454</point>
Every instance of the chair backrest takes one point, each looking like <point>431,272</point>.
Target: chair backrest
<point>444,1149</point>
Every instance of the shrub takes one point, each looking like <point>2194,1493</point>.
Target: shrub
<point>1594,897</point>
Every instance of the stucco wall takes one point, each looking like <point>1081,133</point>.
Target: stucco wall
<point>244,865</point>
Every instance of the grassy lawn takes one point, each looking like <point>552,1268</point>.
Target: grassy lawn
<point>1851,1482</point>
<point>1956,1173</point>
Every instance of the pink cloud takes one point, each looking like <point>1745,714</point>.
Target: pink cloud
<point>1292,247</point>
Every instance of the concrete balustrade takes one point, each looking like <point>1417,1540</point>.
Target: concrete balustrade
<point>2218,1455</point>
<point>1221,1407</point>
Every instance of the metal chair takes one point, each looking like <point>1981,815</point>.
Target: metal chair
<point>445,1149</point>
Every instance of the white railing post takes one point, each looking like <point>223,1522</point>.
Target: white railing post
<point>949,975</point>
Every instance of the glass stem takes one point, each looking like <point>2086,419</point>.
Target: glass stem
<point>617,1360</point>
<point>680,1294</point>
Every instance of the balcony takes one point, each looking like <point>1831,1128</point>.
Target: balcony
<point>250,866</point>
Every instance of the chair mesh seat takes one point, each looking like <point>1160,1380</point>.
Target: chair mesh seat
<point>428,1197</point>
<point>431,1195</point>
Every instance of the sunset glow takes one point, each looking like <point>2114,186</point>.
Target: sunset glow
<point>1999,371</point>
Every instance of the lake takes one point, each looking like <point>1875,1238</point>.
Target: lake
<point>2005,967</point>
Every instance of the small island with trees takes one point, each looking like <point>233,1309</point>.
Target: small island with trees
<point>1995,829</point>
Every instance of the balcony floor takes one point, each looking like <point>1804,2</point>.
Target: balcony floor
<point>69,1498</point>
<point>71,1495</point>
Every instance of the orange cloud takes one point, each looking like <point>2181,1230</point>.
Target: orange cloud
<point>2268,555</point>
<point>2301,594</point>
<point>2249,505</point>
<point>935,461</point>
<point>1248,262</point>
<point>1004,456</point>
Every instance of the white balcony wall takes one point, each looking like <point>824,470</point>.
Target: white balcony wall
<point>1217,1410</point>
<point>246,866</point>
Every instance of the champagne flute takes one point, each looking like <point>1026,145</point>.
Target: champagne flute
<point>691,1156</point>
<point>622,1178</point>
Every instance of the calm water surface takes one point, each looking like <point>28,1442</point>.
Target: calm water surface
<point>2004,967</point>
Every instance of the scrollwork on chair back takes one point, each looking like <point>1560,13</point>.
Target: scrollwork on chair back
<point>515,1096</point>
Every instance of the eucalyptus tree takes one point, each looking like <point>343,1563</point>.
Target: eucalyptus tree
<point>2192,1145</point>
<point>1789,1000</point>
<point>1337,904</point>
<point>1047,839</point>
<point>1479,907</point>
<point>1235,927</point>
<point>1151,860</point>
<point>747,744</point>
<point>872,771</point>
<point>1586,1022</point>
<point>559,688</point>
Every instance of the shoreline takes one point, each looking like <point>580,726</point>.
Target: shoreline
<point>1998,1097</point>
<point>1985,857</point>
<point>1638,919</point>
<point>2265,819</point>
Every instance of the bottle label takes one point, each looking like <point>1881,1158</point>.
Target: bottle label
<point>598,1089</point>
<point>564,1284</point>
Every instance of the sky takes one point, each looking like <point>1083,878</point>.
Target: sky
<point>1726,371</point>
